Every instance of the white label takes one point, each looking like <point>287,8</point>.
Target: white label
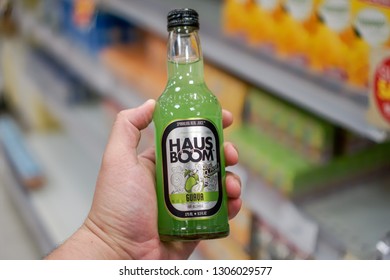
<point>373,26</point>
<point>336,14</point>
<point>268,5</point>
<point>191,167</point>
<point>300,10</point>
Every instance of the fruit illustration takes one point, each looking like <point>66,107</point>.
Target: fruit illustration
<point>191,181</point>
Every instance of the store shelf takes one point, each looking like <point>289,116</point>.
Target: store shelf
<point>299,224</point>
<point>290,221</point>
<point>86,123</point>
<point>333,102</point>
<point>27,211</point>
<point>64,201</point>
<point>358,215</point>
<point>82,63</point>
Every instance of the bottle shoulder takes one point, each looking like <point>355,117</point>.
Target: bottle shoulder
<point>189,102</point>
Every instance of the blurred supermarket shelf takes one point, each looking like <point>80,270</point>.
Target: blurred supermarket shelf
<point>85,123</point>
<point>291,222</point>
<point>333,102</point>
<point>83,64</point>
<point>357,215</point>
<point>26,208</point>
<point>63,203</point>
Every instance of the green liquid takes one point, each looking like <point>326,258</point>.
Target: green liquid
<point>186,97</point>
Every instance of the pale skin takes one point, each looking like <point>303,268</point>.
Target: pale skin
<point>122,222</point>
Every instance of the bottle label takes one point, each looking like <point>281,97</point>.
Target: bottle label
<point>191,168</point>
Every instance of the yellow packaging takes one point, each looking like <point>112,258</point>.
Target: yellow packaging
<point>235,18</point>
<point>240,227</point>
<point>371,22</point>
<point>296,28</point>
<point>379,98</point>
<point>265,17</point>
<point>230,91</point>
<point>333,39</point>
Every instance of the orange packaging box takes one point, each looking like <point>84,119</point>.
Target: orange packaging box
<point>264,20</point>
<point>296,29</point>
<point>371,22</point>
<point>334,36</point>
<point>235,17</point>
<point>229,90</point>
<point>240,227</point>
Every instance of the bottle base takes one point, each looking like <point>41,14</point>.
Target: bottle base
<point>193,237</point>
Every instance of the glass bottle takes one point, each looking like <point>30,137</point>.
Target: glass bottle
<point>190,163</point>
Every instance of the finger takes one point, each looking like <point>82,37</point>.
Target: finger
<point>231,154</point>
<point>227,118</point>
<point>125,134</point>
<point>233,185</point>
<point>234,206</point>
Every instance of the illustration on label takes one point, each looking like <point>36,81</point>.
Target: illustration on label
<point>191,168</point>
<point>382,89</point>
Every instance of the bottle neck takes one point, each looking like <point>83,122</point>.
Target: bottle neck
<point>185,61</point>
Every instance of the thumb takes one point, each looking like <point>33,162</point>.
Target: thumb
<point>126,132</point>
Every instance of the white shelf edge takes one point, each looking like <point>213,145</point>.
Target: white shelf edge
<point>303,91</point>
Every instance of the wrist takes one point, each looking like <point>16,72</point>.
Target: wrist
<point>89,242</point>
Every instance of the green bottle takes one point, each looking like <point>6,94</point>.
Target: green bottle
<point>190,163</point>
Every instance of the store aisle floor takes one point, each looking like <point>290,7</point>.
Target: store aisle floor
<point>15,241</point>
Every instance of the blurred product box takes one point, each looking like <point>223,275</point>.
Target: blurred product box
<point>308,135</point>
<point>240,227</point>
<point>379,98</point>
<point>156,51</point>
<point>333,39</point>
<point>293,174</point>
<point>277,165</point>
<point>235,17</point>
<point>371,22</point>
<point>130,64</point>
<point>293,151</point>
<point>88,26</point>
<point>296,29</point>
<point>21,90</point>
<point>263,29</point>
<point>230,91</point>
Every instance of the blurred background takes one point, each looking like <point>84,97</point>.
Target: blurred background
<point>307,81</point>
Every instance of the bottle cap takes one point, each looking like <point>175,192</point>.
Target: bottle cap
<point>183,17</point>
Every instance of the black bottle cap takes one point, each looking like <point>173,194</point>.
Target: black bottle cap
<point>183,17</point>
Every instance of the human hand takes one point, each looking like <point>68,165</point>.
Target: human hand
<point>122,223</point>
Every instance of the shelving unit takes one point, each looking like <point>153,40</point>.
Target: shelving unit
<point>305,224</point>
<point>81,63</point>
<point>331,101</point>
<point>85,123</point>
<point>25,206</point>
<point>63,203</point>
